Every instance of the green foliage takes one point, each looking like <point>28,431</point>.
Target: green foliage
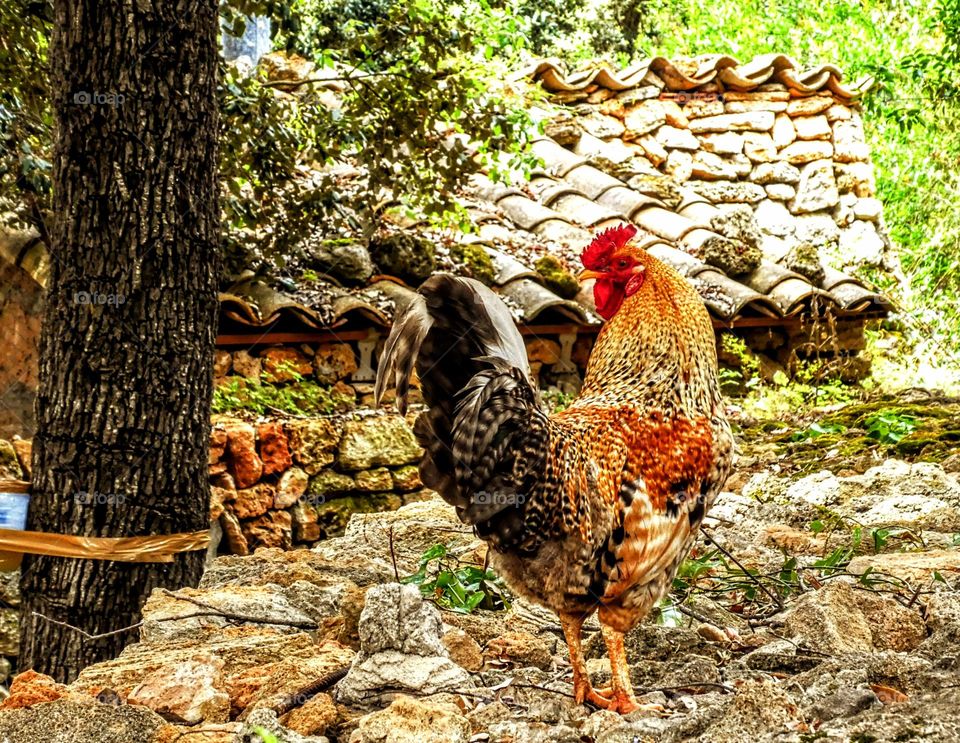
<point>299,396</point>
<point>889,426</point>
<point>461,588</point>
<point>815,430</point>
<point>555,400</point>
<point>411,74</point>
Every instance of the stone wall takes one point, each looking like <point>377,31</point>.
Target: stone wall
<point>281,483</point>
<point>801,165</point>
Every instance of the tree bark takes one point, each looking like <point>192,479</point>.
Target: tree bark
<point>126,349</point>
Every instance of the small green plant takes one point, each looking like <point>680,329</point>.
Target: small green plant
<point>299,396</point>
<point>461,588</point>
<point>816,430</point>
<point>890,427</point>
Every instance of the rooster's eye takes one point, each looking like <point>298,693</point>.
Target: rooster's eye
<point>622,263</point>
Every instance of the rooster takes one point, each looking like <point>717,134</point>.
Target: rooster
<point>592,508</point>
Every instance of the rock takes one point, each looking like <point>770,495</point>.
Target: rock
<point>660,187</point>
<point>849,142</point>
<point>374,480</point>
<point>564,128</point>
<point>68,721</point>
<point>274,451</point>
<point>264,720</point>
<point>780,191</point>
<point>707,166</point>
<point>31,688</point>
<point>246,365</point>
<point>675,115</point>
<point>812,127</point>
<point>809,106</point>
<point>313,717</point>
<point>839,619</point>
<point>344,259</point>
<point>313,442</point>
<point>742,165</point>
<point>272,529</point>
<point>192,690</point>
<point>723,143</point>
<point>805,260</point>
<point>679,165</point>
<point>221,362</point>
<point>600,125</point>
<point>269,686</point>
<point>252,502</point>
<point>407,255</point>
<point>773,218</point>
<point>868,209</point>
<point>757,708</point>
<point>817,189</point>
<point>784,132</point>
<point>522,649</point>
<point>733,257</point>
<point>643,118</point>
<point>556,277</point>
<point>400,648</point>
<point>737,222</point>
<point>233,534</point>
<point>463,649</point>
<point>377,440</point>
<point>700,107</point>
<point>678,139</point>
<point>243,461</point>
<point>779,172</point>
<point>818,229</point>
<point>544,350</point>
<point>409,720</point>
<point>406,478</point>
<point>328,483</point>
<point>759,148</point>
<point>284,364</point>
<point>759,121</point>
<point>913,567</point>
<point>293,484</point>
<point>838,112</point>
<point>806,151</point>
<point>860,244</point>
<point>856,177</point>
<point>305,526</point>
<point>334,514</point>
<point>738,107</point>
<point>333,362</point>
<point>9,464</point>
<point>652,149</point>
<point>728,192</point>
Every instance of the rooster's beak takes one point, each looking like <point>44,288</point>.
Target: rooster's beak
<point>587,275</point>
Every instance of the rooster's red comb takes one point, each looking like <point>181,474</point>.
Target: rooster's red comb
<point>597,254</point>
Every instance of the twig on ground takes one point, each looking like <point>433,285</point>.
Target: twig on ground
<point>217,611</point>
<point>709,537</point>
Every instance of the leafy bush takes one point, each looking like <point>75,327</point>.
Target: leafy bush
<point>462,588</point>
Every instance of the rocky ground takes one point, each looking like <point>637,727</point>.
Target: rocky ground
<point>818,608</point>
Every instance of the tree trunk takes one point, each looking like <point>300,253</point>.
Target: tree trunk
<point>127,344</point>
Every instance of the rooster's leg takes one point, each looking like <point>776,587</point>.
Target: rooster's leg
<point>582,689</point>
<point>621,698</point>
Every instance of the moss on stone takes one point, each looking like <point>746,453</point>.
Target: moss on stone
<point>556,277</point>
<point>332,516</point>
<point>477,262</point>
<point>732,257</point>
<point>404,255</point>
